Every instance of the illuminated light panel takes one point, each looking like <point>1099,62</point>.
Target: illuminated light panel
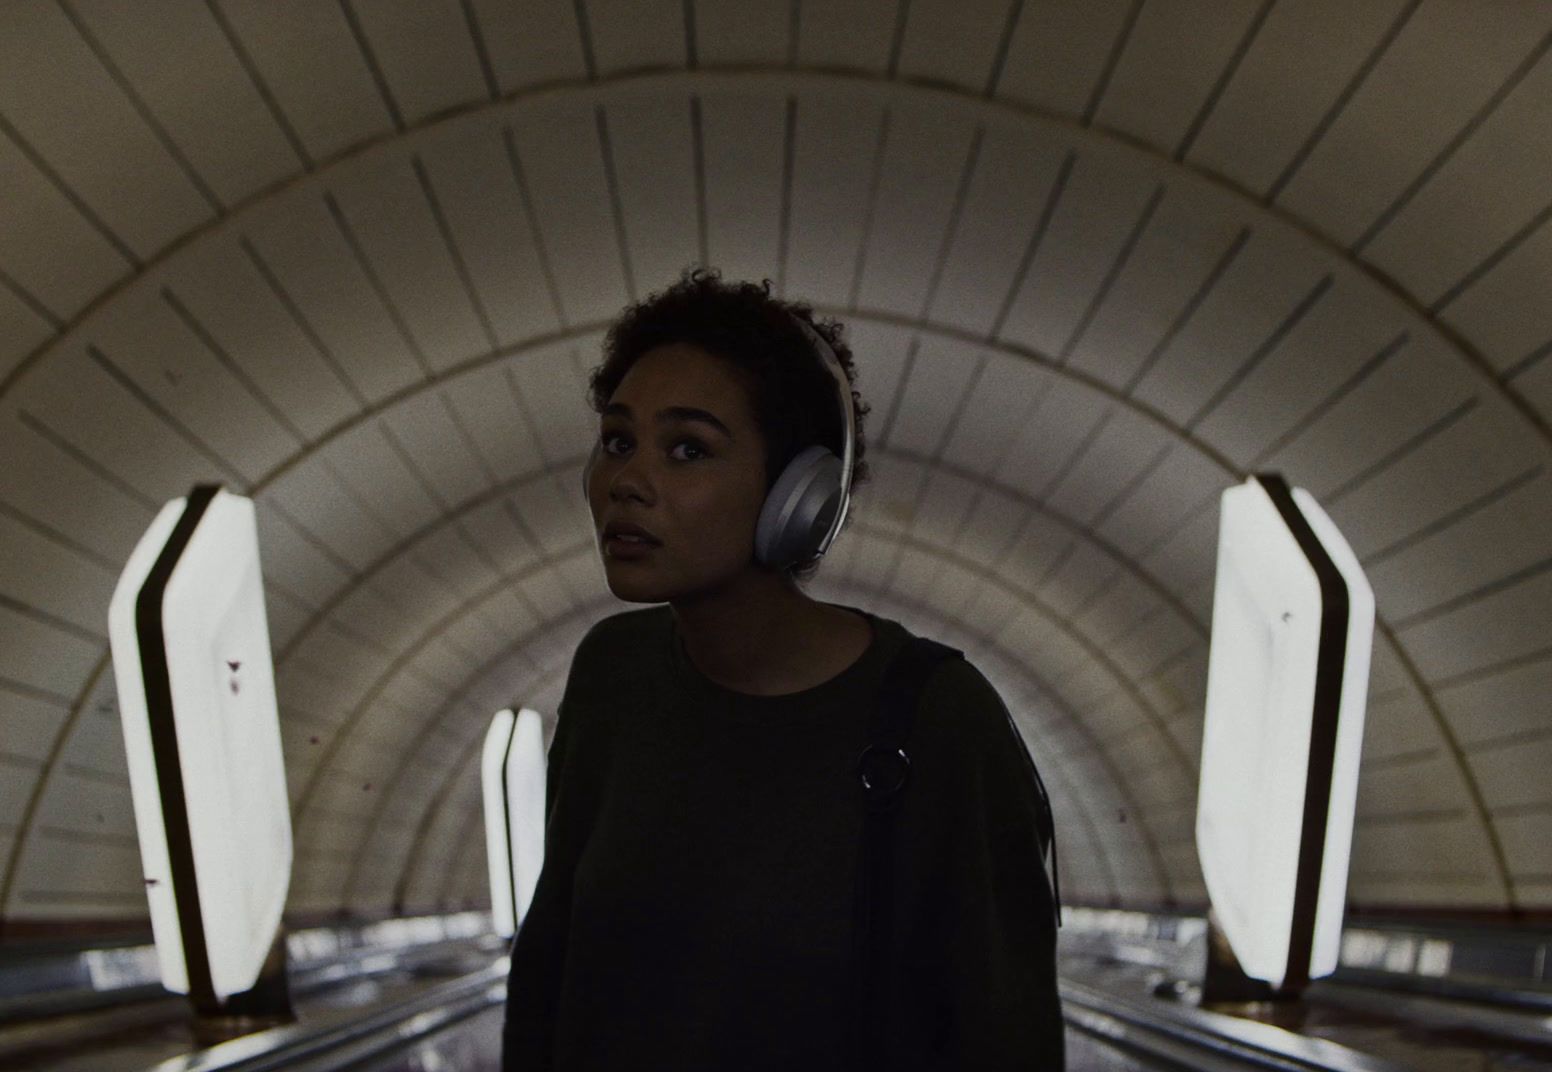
<point>512,774</point>
<point>1287,680</point>
<point>498,840</point>
<point>191,660</point>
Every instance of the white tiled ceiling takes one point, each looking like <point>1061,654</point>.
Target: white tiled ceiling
<point>1097,261</point>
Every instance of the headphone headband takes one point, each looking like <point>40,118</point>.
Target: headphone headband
<point>831,362</point>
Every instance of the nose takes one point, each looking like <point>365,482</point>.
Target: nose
<point>625,479</point>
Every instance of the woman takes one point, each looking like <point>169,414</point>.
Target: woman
<point>703,814</point>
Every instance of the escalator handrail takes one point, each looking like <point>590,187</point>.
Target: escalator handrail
<point>53,1023</point>
<point>1255,1044</point>
<point>394,1024</point>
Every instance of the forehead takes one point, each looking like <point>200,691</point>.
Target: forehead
<point>682,374</point>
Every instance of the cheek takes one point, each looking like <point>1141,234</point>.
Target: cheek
<point>725,515</point>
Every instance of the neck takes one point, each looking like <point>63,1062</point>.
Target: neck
<point>760,636</point>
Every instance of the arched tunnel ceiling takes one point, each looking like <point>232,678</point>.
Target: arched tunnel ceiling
<point>1097,260</point>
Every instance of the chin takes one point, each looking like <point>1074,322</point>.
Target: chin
<point>631,589</point>
<point>636,593</point>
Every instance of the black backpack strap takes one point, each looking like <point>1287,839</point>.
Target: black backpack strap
<point>883,768</point>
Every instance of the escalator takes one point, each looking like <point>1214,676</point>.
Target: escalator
<point>436,1005</point>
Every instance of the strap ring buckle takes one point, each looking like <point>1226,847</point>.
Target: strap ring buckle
<point>884,772</point>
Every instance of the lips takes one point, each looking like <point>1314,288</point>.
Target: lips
<point>627,529</point>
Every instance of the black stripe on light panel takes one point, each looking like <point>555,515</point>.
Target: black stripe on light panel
<point>1330,667</point>
<point>164,744</point>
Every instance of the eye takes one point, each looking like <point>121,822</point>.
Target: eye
<point>693,444</point>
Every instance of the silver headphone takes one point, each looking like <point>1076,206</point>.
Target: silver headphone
<point>807,505</point>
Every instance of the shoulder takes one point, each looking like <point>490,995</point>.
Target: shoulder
<point>958,681</point>
<point>955,687</point>
<point>605,664</point>
<point>958,707</point>
<point>964,720</point>
<point>621,634</point>
<point>610,653</point>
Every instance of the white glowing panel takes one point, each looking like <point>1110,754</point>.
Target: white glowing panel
<point>498,853</point>
<point>512,774</point>
<point>1293,620</point>
<point>526,773</point>
<point>191,658</point>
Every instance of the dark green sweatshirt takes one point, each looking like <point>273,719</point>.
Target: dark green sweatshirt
<point>695,907</point>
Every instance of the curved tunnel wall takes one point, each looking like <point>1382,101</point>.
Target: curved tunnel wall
<point>1078,318</point>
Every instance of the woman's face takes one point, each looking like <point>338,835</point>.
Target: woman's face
<point>695,481</point>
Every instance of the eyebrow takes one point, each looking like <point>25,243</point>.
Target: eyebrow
<point>670,414</point>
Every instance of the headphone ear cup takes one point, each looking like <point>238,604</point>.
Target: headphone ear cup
<point>799,509</point>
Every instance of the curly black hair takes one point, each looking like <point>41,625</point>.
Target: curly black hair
<point>792,393</point>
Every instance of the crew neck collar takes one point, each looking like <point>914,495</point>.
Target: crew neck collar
<point>691,677</point>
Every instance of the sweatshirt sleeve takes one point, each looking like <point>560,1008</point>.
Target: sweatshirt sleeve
<point>1003,1010</point>
<point>539,949</point>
